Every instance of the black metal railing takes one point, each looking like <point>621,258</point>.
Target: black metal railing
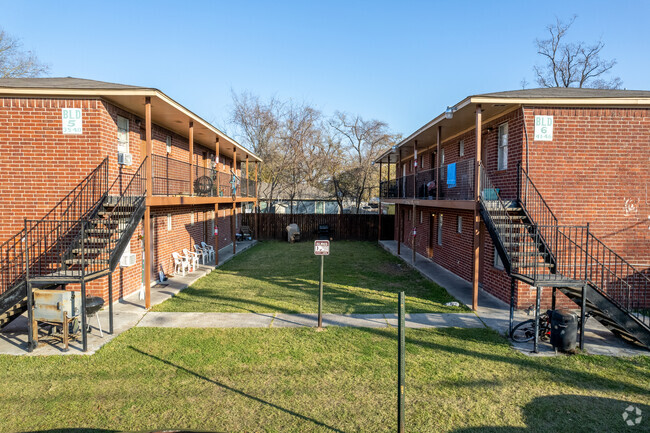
<point>170,176</point>
<point>621,281</point>
<point>456,182</point>
<point>81,202</point>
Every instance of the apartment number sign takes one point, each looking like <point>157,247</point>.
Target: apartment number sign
<point>543,128</point>
<point>72,120</point>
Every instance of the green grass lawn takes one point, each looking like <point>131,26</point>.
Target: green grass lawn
<point>360,277</point>
<point>299,380</point>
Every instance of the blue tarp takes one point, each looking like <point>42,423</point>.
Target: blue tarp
<point>451,175</point>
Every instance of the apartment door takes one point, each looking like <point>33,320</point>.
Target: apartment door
<point>403,192</point>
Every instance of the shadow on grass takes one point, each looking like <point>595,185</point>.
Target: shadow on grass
<point>556,413</point>
<point>584,380</point>
<point>237,391</point>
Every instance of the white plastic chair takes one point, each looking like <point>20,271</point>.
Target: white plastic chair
<point>191,257</point>
<point>181,263</point>
<point>209,249</point>
<point>201,252</point>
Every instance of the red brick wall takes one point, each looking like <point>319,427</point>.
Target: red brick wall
<point>40,166</point>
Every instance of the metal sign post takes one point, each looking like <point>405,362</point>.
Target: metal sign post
<point>322,249</point>
<point>401,363</point>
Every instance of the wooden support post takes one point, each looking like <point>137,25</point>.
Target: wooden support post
<point>477,215</point>
<point>415,194</point>
<point>234,192</point>
<point>233,216</point>
<point>191,156</point>
<point>248,194</point>
<point>257,202</point>
<point>438,140</point>
<point>147,213</point>
<point>398,212</point>
<point>110,303</point>
<point>379,213</point>
<point>401,361</point>
<point>216,234</point>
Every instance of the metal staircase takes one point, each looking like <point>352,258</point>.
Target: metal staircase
<point>81,239</point>
<point>537,250</point>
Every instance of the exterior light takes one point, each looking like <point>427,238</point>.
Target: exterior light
<point>372,163</point>
<point>449,112</point>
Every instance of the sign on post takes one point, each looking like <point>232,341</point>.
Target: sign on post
<point>322,248</point>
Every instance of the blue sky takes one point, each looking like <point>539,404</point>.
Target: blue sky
<point>401,62</point>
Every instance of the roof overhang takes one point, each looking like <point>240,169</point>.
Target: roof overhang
<point>165,112</point>
<point>464,118</point>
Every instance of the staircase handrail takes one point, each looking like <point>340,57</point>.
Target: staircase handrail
<point>12,252</point>
<point>524,201</point>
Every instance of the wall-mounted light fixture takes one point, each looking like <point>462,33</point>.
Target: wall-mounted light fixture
<point>394,148</point>
<point>449,112</point>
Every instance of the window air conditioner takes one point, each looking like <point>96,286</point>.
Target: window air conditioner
<point>127,260</point>
<point>124,158</point>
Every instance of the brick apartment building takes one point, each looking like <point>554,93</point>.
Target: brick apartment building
<point>499,190</point>
<point>126,159</point>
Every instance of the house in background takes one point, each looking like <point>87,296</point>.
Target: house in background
<point>542,188</point>
<point>308,200</point>
<point>102,182</point>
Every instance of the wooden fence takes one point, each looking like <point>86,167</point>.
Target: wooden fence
<point>361,227</point>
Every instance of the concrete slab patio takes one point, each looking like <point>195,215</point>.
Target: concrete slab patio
<point>126,314</point>
<point>495,313</point>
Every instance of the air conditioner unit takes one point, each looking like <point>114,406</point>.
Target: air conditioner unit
<point>124,158</point>
<point>127,260</point>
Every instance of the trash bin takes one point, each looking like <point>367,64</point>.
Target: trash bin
<point>564,330</point>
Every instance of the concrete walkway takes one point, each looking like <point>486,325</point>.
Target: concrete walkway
<point>495,313</point>
<point>127,313</point>
<point>279,320</point>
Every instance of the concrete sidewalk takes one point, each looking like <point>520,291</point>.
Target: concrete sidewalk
<point>496,314</point>
<point>127,313</point>
<point>279,320</point>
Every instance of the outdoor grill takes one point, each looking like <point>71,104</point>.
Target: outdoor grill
<point>323,232</point>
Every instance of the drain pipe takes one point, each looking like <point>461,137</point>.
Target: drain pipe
<point>523,115</point>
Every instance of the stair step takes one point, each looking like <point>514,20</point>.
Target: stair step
<point>103,231</point>
<point>87,262</point>
<point>77,251</point>
<point>508,217</point>
<point>528,254</point>
<point>96,240</point>
<point>533,265</point>
<point>118,213</point>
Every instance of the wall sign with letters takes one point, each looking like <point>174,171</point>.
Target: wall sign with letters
<point>71,121</point>
<point>543,128</point>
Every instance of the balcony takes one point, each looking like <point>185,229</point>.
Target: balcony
<point>173,178</point>
<point>456,183</point>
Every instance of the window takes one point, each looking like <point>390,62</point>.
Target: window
<point>320,207</point>
<point>461,148</point>
<point>442,157</point>
<point>409,215</point>
<point>497,260</point>
<point>440,229</point>
<point>421,219</point>
<point>122,134</point>
<point>192,218</point>
<point>421,163</point>
<point>502,141</point>
<point>169,144</point>
<point>169,222</point>
<point>459,224</point>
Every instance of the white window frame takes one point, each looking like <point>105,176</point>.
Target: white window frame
<point>169,222</point>
<point>459,224</point>
<point>440,229</point>
<point>168,142</point>
<point>442,157</point>
<point>421,217</point>
<point>461,148</point>
<point>498,264</point>
<point>502,147</point>
<point>122,134</point>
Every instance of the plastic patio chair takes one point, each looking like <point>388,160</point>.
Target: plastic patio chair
<point>192,258</point>
<point>181,263</point>
<point>209,249</point>
<point>200,252</point>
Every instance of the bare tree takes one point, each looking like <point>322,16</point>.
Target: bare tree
<point>16,63</point>
<point>572,64</point>
<point>361,142</point>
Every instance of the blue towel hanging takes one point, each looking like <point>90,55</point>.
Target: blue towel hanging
<point>451,175</point>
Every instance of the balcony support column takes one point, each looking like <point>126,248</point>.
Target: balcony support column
<point>148,262</point>
<point>248,194</point>
<point>216,234</point>
<point>438,139</point>
<point>191,156</point>
<point>477,215</point>
<point>415,195</point>
<point>233,224</point>
<point>257,203</point>
<point>380,194</point>
<point>400,193</point>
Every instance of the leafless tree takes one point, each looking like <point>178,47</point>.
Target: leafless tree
<point>258,125</point>
<point>15,62</point>
<point>572,64</point>
<point>361,142</point>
